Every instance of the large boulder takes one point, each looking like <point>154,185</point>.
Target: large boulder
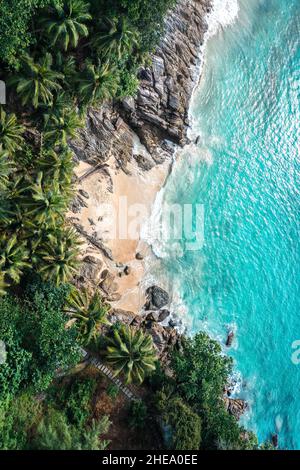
<point>156,298</point>
<point>91,267</point>
<point>124,316</point>
<point>157,315</point>
<point>108,284</point>
<point>236,406</point>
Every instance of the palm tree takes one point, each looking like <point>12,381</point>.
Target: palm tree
<point>66,66</point>
<point>13,257</point>
<point>42,203</point>
<point>5,169</point>
<point>131,351</point>
<point>37,82</point>
<point>10,132</point>
<point>98,83</point>
<point>90,313</point>
<point>117,38</point>
<point>57,165</point>
<point>62,125</point>
<point>65,24</point>
<point>58,256</point>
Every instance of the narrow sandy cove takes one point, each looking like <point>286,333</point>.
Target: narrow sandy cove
<point>114,195</point>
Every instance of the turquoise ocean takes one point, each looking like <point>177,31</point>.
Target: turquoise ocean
<point>244,169</point>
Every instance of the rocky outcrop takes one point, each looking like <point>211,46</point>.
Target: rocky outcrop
<point>160,110</point>
<point>275,440</point>
<point>230,338</point>
<point>164,338</point>
<point>235,406</point>
<point>156,298</point>
<point>157,315</point>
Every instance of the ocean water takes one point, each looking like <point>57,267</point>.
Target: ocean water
<point>244,169</point>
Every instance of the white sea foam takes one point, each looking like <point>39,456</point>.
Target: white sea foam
<point>223,13</point>
<point>278,423</point>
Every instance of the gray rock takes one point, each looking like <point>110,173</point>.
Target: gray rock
<point>90,259</point>
<point>275,440</point>
<point>114,297</point>
<point>104,273</point>
<point>127,270</point>
<point>145,74</point>
<point>156,298</point>
<point>163,314</point>
<point>91,268</point>
<point>84,193</point>
<point>108,284</point>
<point>236,406</point>
<point>153,316</point>
<point>144,163</point>
<point>230,339</point>
<point>123,316</point>
<point>129,104</point>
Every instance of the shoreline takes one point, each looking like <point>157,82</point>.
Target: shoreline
<point>139,146</point>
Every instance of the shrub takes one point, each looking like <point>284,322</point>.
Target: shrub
<point>15,22</point>
<point>137,414</point>
<point>201,373</point>
<point>75,398</point>
<point>17,419</point>
<point>112,391</point>
<point>184,425</point>
<point>36,340</point>
<point>56,433</point>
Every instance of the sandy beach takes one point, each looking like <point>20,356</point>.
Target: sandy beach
<point>114,203</point>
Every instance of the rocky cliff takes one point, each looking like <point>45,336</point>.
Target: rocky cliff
<point>159,112</point>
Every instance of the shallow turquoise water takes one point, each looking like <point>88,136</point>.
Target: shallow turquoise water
<point>245,170</point>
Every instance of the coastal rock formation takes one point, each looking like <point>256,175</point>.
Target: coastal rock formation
<point>156,298</point>
<point>230,339</point>
<point>160,110</point>
<point>235,406</point>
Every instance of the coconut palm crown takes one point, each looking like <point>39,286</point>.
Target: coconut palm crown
<point>10,132</point>
<point>65,24</point>
<point>90,312</point>
<point>58,256</point>
<point>118,37</point>
<point>131,351</point>
<point>42,202</point>
<point>5,169</point>
<point>97,83</point>
<point>13,257</point>
<point>37,82</point>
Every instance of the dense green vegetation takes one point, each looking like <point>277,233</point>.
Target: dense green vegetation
<point>191,402</point>
<point>37,342</point>
<point>28,422</point>
<point>58,57</point>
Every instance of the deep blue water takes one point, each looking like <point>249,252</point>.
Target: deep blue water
<point>245,170</point>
